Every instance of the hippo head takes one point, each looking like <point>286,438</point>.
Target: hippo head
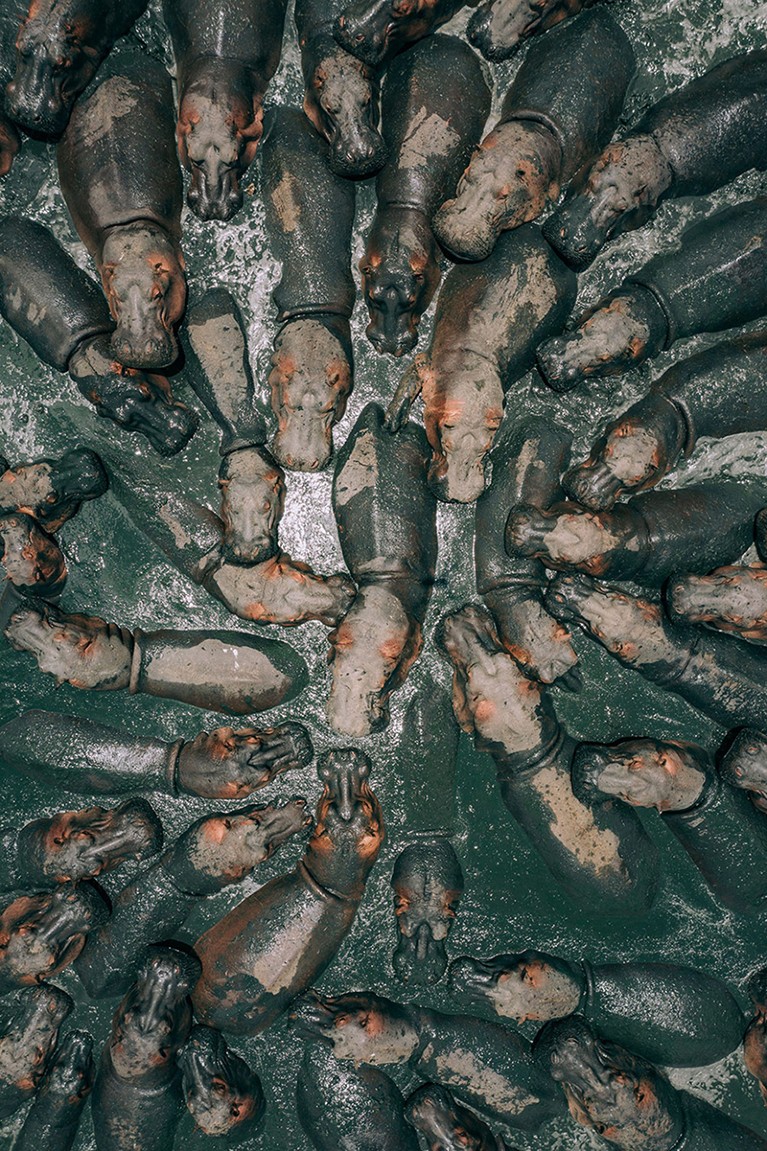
<point>310,379</point>
<point>82,650</point>
<point>42,934</point>
<point>362,1027</point>
<point>77,476</point>
<point>223,848</point>
<point>634,452</point>
<point>621,1097</point>
<point>252,501</point>
<point>497,29</point>
<point>400,274</point>
<point>428,884</point>
<point>642,772</point>
<point>349,830</point>
<point>70,1076</point>
<point>222,1093</point>
<point>135,400</point>
<point>77,845</point>
<point>154,1018</point>
<point>463,409</point>
<point>621,192</point>
<point>220,124</point>
<point>445,1124</point>
<point>375,30</point>
<point>55,61</point>
<point>229,764</point>
<point>32,559</point>
<point>142,272</point>
<point>618,620</point>
<point>28,1039</point>
<point>341,102</point>
<point>745,763</point>
<point>527,986</point>
<point>509,181</point>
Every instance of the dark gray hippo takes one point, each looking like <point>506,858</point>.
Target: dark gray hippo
<point>221,1092</point>
<point>29,1029</point>
<point>53,1119</point>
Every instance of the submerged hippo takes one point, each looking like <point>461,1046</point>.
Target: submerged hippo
<point>29,1028</point>
<point>446,1125</point>
<point>42,934</point>
<point>376,30</point>
<point>54,1117</point>
<point>499,27</point>
<point>222,1093</point>
<point>428,884</point>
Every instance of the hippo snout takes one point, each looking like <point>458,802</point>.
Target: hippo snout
<point>149,353</point>
<point>220,202</point>
<point>35,102</point>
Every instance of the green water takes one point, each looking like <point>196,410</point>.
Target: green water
<point>509,903</point>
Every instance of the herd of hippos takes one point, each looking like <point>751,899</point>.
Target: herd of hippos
<point>441,189</point>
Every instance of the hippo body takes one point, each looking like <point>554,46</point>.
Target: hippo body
<point>435,104</point>
<point>60,46</point>
<point>605,862</point>
<point>54,1117</point>
<point>128,212</point>
<point>559,112</point>
<point>376,30</point>
<point>309,217</point>
<point>380,482</point>
<point>357,1108</point>
<point>499,27</point>
<point>342,93</point>
<point>60,312</point>
<point>215,851</point>
<point>490,317</point>
<point>721,676</point>
<point>226,54</point>
<point>277,942</point>
<point>228,671</point>
<point>29,1028</point>
<point>137,1099</point>
<point>647,539</point>
<point>717,392</point>
<point>715,280</point>
<point>527,462</point>
<point>691,142</point>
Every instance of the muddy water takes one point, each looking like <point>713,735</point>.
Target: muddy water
<point>509,903</point>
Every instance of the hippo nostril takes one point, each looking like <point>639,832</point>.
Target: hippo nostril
<point>359,38</point>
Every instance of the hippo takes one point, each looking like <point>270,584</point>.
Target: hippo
<point>128,212</point>
<point>309,217</point>
<point>341,93</point>
<point>31,559</point>
<point>669,1014</point>
<point>435,104</point>
<point>428,884</point>
<point>53,490</point>
<point>75,845</point>
<point>716,392</point>
<point>216,851</point>
<point>526,464</point>
<point>715,824</point>
<point>76,754</point>
<point>715,280</point>
<point>271,947</point>
<point>744,766</point>
<point>604,861</point>
<point>221,1092</point>
<point>627,1101</point>
<point>731,599</point>
<point>490,318</point>
<point>648,539</point>
<point>137,1099</point>
<point>717,674</point>
<point>691,142</point>
<point>54,1117</point>
<point>224,671</point>
<point>484,1064</point>
<point>559,112</point>
<point>226,54</point>
<point>499,27</point>
<point>29,1028</point>
<point>59,48</point>
<point>43,933</point>
<point>376,30</point>
<point>60,312</point>
<point>10,138</point>
<point>446,1125</point>
<point>755,1039</point>
<point>358,1108</point>
<point>380,482</point>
